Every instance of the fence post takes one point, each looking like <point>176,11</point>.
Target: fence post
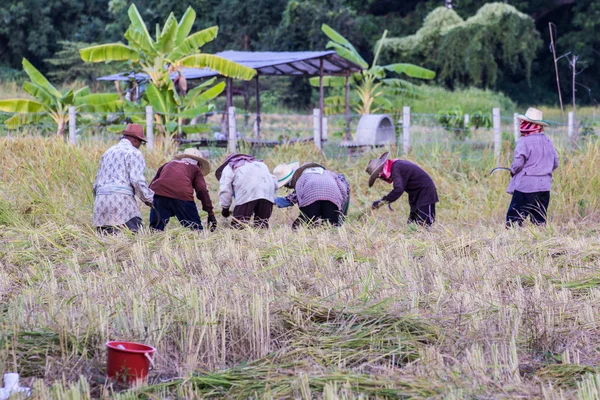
<point>325,128</point>
<point>232,129</point>
<point>516,127</point>
<point>405,129</point>
<point>497,132</point>
<point>571,127</point>
<point>72,125</point>
<point>316,128</point>
<point>467,119</point>
<point>149,128</point>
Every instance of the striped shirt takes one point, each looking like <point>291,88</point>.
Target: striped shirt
<point>318,184</point>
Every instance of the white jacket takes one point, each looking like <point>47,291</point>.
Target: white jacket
<point>252,181</point>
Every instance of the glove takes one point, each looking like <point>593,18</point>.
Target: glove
<point>149,204</point>
<point>376,204</point>
<point>225,212</point>
<point>211,222</point>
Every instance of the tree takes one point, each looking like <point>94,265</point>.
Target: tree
<point>372,88</point>
<point>68,66</point>
<point>52,104</point>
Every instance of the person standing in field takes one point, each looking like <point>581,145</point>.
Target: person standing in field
<point>534,161</point>
<point>405,177</point>
<point>322,195</point>
<point>174,186</point>
<point>119,179</point>
<point>249,183</point>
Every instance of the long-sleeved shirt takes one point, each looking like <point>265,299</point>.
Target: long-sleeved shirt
<point>178,180</point>
<point>320,185</point>
<point>410,178</point>
<point>119,178</point>
<point>252,181</point>
<point>534,161</point>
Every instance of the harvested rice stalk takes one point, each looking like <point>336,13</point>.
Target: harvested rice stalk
<point>565,375</point>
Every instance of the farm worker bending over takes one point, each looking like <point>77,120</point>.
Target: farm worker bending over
<point>174,186</point>
<point>250,183</point>
<point>406,177</point>
<point>322,195</point>
<point>531,170</point>
<point>119,179</point>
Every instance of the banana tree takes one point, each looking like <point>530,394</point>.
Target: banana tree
<point>373,90</point>
<point>172,49</point>
<point>51,104</point>
<point>172,109</point>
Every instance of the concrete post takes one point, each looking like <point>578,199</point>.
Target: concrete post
<point>317,128</point>
<point>571,127</point>
<point>72,125</point>
<point>516,127</point>
<point>467,120</point>
<point>497,133</point>
<point>149,128</point>
<point>405,130</point>
<point>232,129</point>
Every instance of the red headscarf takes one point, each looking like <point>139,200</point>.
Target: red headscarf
<point>529,128</point>
<point>386,172</point>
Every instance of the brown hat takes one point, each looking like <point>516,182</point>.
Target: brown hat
<point>134,131</point>
<point>300,170</point>
<point>375,166</point>
<point>195,154</point>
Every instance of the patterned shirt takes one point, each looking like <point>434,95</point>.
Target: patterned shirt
<point>120,177</point>
<point>318,184</point>
<point>535,160</point>
<point>249,182</point>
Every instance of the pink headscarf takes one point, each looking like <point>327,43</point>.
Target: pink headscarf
<point>529,128</point>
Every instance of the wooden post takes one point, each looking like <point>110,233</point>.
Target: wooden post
<point>149,128</point>
<point>562,109</point>
<point>317,122</point>
<point>497,133</point>
<point>229,99</point>
<point>348,136</point>
<point>257,109</point>
<point>516,127</point>
<point>321,104</point>
<point>72,125</point>
<point>232,129</point>
<point>405,130</point>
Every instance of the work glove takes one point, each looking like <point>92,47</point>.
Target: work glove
<point>225,212</point>
<point>377,203</point>
<point>211,222</point>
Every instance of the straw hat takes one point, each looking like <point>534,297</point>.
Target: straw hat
<point>219,171</point>
<point>285,172</point>
<point>134,131</point>
<point>195,154</point>
<point>375,166</point>
<point>299,171</point>
<point>533,115</point>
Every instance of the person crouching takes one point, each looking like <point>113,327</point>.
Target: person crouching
<point>250,183</point>
<point>534,161</point>
<point>322,195</point>
<point>174,186</point>
<point>405,177</point>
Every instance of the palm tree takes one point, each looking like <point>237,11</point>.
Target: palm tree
<point>172,49</point>
<point>373,89</point>
<point>50,103</point>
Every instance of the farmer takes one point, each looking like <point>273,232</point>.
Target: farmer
<point>531,170</point>
<point>250,183</point>
<point>322,195</point>
<point>406,177</point>
<point>119,179</point>
<point>174,186</point>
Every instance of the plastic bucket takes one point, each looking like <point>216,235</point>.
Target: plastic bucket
<point>128,361</point>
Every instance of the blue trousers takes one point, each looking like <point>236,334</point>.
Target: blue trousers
<point>167,207</point>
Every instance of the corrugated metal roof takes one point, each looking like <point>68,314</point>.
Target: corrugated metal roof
<point>267,63</point>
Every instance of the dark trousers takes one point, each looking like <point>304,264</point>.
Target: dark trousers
<point>261,209</point>
<point>522,205</point>
<point>167,207</point>
<point>323,210</point>
<point>424,215</point>
<point>134,225</point>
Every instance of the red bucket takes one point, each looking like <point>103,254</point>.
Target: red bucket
<point>128,361</point>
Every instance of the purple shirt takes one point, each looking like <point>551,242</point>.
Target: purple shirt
<point>535,159</point>
<point>317,186</point>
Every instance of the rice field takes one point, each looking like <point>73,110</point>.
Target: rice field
<point>375,309</point>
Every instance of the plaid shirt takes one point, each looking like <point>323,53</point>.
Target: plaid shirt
<point>313,187</point>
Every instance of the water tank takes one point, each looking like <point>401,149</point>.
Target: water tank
<point>375,130</point>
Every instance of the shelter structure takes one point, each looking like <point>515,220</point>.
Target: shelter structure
<point>268,63</point>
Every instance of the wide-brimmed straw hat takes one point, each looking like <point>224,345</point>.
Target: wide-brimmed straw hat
<point>299,171</point>
<point>195,154</point>
<point>375,166</point>
<point>533,115</point>
<point>285,172</point>
<point>134,131</point>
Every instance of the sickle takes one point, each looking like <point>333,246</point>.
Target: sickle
<point>499,168</point>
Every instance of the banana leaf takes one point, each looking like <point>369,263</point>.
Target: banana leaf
<point>166,41</point>
<point>343,42</point>
<point>223,66</point>
<point>185,25</point>
<point>40,94</point>
<point>21,106</point>
<point>347,54</point>
<point>39,79</point>
<point>203,97</point>
<point>109,52</point>
<point>197,128</point>
<point>193,42</point>
<point>411,70</point>
<point>137,23</point>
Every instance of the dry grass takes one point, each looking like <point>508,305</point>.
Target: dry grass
<point>375,309</point>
